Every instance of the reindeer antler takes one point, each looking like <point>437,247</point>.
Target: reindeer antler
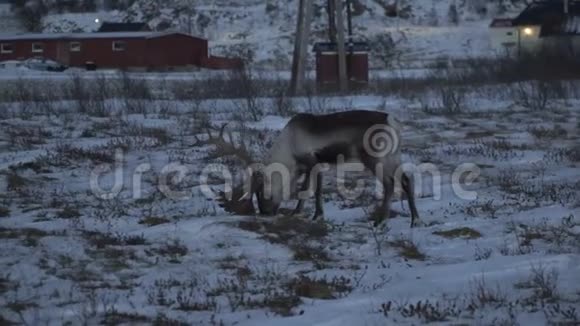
<point>235,202</point>
<point>223,146</point>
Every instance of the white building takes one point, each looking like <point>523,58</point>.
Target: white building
<point>503,36</point>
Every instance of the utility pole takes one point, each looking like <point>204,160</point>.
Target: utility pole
<point>342,78</point>
<point>349,19</point>
<point>331,21</point>
<point>397,14</point>
<point>301,46</point>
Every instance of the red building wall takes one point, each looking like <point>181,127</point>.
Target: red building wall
<point>100,51</point>
<point>175,50</point>
<point>327,67</point>
<point>158,52</point>
<point>23,50</point>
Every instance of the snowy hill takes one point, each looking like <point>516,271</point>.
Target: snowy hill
<point>8,21</point>
<point>425,29</point>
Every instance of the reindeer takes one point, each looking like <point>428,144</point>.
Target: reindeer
<point>310,141</point>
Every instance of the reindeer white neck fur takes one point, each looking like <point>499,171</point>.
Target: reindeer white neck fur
<point>310,140</point>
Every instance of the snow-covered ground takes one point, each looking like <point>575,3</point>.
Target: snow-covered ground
<point>510,256</point>
<point>14,70</point>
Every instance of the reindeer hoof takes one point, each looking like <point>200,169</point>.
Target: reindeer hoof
<point>377,223</point>
<point>417,223</point>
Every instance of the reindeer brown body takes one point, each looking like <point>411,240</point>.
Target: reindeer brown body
<point>310,140</point>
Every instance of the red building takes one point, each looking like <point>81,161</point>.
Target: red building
<point>357,63</point>
<point>143,50</point>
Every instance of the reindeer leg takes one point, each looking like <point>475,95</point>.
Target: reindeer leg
<point>305,187</point>
<point>385,208</point>
<point>409,190</point>
<point>319,212</point>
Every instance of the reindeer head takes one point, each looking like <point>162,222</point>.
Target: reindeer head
<point>239,200</point>
<point>267,205</point>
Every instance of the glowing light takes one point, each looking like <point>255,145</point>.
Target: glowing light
<point>528,31</point>
<point>97,20</point>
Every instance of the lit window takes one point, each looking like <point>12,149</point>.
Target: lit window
<point>37,47</point>
<point>119,46</point>
<point>528,31</point>
<point>75,47</point>
<point>6,48</point>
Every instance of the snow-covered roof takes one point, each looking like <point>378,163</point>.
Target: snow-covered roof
<point>502,22</point>
<point>109,27</point>
<point>77,36</point>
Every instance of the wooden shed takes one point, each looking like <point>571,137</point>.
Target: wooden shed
<point>357,63</point>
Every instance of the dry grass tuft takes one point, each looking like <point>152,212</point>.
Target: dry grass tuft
<point>408,249</point>
<point>4,211</point>
<point>465,233</point>
<point>285,228</point>
<point>321,288</point>
<point>15,182</point>
<point>154,220</point>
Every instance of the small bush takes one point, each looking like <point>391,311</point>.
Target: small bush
<point>69,212</point>
<point>573,154</point>
<point>14,182</point>
<point>174,250</point>
<point>248,89</point>
<point>534,95</point>
<point>452,100</point>
<point>306,252</point>
<point>483,295</point>
<point>101,240</point>
<point>482,254</point>
<point>562,315</point>
<point>548,133</point>
<point>321,288</point>
<point>154,220</point>
<point>117,318</point>
<point>426,311</point>
<point>65,155</point>
<point>544,282</point>
<point>4,211</point>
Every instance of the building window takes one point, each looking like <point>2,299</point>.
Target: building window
<point>37,47</point>
<point>119,46</point>
<point>6,48</point>
<point>509,33</point>
<point>75,47</point>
